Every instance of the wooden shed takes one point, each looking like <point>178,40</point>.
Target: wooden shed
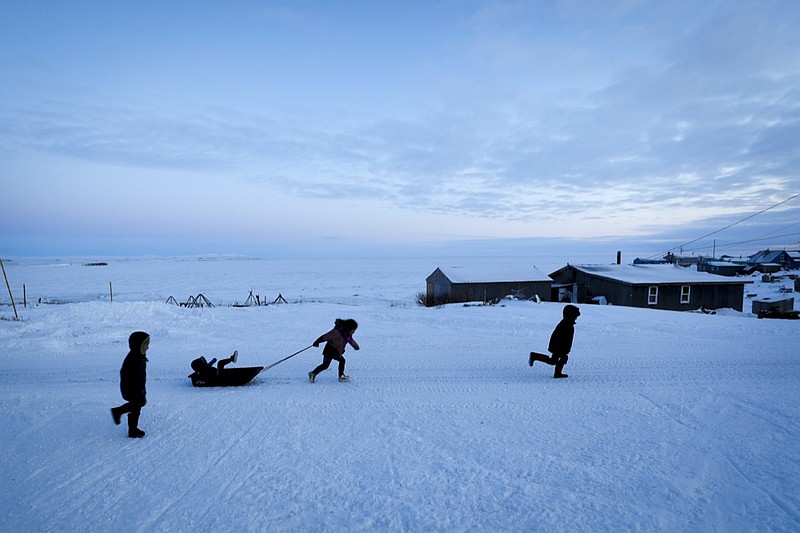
<point>466,284</point>
<point>765,305</point>
<point>652,286</point>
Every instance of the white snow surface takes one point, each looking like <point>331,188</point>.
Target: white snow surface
<point>511,272</point>
<point>654,274</point>
<point>669,421</point>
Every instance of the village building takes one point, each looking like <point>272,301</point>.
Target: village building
<point>466,284</point>
<point>684,260</point>
<point>770,261</point>
<point>769,305</point>
<point>649,286</point>
<point>723,268</point>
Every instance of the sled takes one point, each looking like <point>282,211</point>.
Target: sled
<point>205,376</point>
<point>229,377</point>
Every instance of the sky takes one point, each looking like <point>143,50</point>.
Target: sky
<point>335,128</point>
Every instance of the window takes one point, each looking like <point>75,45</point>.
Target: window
<point>686,292</point>
<point>652,295</point>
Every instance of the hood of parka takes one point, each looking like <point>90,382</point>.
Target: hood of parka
<point>136,341</point>
<point>571,312</point>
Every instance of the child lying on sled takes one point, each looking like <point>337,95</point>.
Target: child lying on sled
<point>204,371</point>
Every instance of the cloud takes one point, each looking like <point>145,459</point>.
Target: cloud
<point>615,119</point>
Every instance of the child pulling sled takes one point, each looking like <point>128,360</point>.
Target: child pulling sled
<point>336,341</point>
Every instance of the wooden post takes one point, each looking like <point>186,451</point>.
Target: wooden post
<point>16,316</point>
<point>111,291</point>
<point>24,296</point>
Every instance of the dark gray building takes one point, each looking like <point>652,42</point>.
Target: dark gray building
<point>769,261</point>
<point>465,284</point>
<point>651,286</point>
<point>722,268</point>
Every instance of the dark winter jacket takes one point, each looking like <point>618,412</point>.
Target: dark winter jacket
<point>133,374</point>
<point>205,370</point>
<point>338,338</point>
<point>561,339</point>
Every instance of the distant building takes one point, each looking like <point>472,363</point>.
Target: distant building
<point>768,305</point>
<point>650,286</point>
<point>647,261</point>
<point>722,268</point>
<point>465,284</point>
<point>769,261</point>
<point>684,260</point>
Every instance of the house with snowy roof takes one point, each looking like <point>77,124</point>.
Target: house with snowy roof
<point>773,260</point>
<point>469,284</point>
<point>668,287</point>
<point>723,268</point>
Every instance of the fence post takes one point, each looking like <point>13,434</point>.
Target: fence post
<point>111,291</point>
<point>24,296</point>
<point>2,266</point>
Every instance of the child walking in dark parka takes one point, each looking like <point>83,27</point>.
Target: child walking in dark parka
<point>132,381</point>
<point>560,342</point>
<point>336,341</point>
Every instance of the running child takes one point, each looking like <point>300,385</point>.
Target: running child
<point>336,341</point>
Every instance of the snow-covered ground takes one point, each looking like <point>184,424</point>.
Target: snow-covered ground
<point>668,422</point>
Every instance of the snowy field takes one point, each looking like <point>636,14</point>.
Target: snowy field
<point>668,422</point>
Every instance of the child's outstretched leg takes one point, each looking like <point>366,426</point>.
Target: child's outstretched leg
<point>223,362</point>
<point>117,412</point>
<point>133,410</point>
<point>539,357</point>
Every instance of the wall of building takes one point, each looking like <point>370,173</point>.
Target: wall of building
<point>481,292</point>
<point>669,295</point>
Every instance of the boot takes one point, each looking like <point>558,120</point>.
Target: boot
<point>133,425</point>
<point>311,377</point>
<point>558,372</point>
<point>117,412</point>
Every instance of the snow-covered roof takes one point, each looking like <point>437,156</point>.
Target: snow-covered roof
<point>655,274</point>
<point>494,274</point>
<point>724,264</point>
<point>772,256</point>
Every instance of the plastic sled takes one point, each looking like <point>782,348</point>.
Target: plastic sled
<point>227,377</point>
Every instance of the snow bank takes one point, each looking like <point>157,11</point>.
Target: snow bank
<point>669,421</point>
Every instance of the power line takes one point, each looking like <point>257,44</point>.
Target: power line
<point>728,245</point>
<point>732,224</point>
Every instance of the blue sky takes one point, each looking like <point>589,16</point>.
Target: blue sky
<point>264,128</point>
